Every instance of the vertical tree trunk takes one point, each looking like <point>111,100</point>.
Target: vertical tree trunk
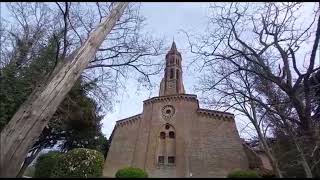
<point>304,161</point>
<point>26,125</point>
<point>272,159</point>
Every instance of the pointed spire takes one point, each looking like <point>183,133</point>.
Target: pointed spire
<point>173,46</point>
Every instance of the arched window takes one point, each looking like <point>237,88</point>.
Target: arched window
<point>171,73</point>
<point>171,135</point>
<point>166,148</point>
<point>171,159</point>
<point>171,61</point>
<point>161,159</point>
<point>162,135</point>
<point>177,75</point>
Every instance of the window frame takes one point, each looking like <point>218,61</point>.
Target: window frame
<point>162,135</point>
<point>171,158</point>
<point>161,158</point>
<point>172,135</point>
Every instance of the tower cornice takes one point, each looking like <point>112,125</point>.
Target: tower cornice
<point>187,97</point>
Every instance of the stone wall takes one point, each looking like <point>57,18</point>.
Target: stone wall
<point>122,147</point>
<point>215,148</point>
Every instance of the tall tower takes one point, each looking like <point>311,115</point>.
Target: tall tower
<point>172,82</point>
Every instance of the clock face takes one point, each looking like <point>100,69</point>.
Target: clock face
<point>168,111</point>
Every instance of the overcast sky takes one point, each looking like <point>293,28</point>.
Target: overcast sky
<point>166,20</point>
<point>163,20</point>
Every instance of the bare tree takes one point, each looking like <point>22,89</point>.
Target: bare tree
<point>125,52</point>
<point>236,92</point>
<point>28,32</point>
<point>264,40</point>
<point>26,125</point>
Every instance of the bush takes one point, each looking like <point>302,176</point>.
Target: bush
<point>29,172</point>
<point>45,164</point>
<point>243,174</point>
<point>131,172</point>
<point>79,162</point>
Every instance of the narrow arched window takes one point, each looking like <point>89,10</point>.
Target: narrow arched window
<point>161,159</point>
<point>177,75</point>
<point>166,148</point>
<point>171,61</point>
<point>171,73</point>
<point>162,135</point>
<point>171,159</point>
<point>171,135</point>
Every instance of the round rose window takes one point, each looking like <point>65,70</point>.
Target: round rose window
<point>168,111</point>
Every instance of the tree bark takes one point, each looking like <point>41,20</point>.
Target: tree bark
<point>272,159</point>
<point>26,125</point>
<point>28,161</point>
<point>304,162</point>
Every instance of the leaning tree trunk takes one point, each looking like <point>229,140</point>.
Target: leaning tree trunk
<point>26,125</point>
<point>28,161</point>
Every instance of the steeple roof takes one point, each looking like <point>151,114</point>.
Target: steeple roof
<point>173,50</point>
<point>173,46</point>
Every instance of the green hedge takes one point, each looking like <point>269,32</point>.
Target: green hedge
<point>243,174</point>
<point>79,162</point>
<point>45,164</point>
<point>131,172</point>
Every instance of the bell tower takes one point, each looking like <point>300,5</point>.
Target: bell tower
<point>172,82</point>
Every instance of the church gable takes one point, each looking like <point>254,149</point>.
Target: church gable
<point>173,137</point>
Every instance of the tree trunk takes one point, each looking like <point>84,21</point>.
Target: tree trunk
<point>28,161</point>
<point>304,162</point>
<point>272,159</point>
<point>26,125</point>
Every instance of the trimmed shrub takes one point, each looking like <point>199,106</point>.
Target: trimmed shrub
<point>131,172</point>
<point>79,162</point>
<point>45,164</point>
<point>243,174</point>
<point>29,172</point>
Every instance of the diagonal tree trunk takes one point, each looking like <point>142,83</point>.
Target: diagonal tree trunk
<point>26,125</point>
<point>28,161</point>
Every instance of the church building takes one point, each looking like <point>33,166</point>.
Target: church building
<point>174,137</point>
